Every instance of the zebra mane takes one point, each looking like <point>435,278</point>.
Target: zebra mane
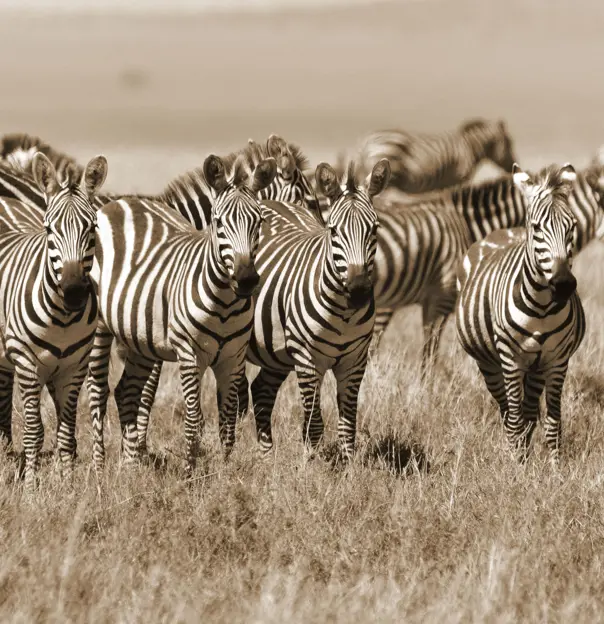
<point>189,184</point>
<point>551,178</point>
<point>253,153</point>
<point>471,125</point>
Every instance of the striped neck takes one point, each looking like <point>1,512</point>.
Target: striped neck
<point>489,206</point>
<point>531,291</point>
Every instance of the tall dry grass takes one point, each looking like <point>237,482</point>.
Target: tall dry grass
<point>432,522</point>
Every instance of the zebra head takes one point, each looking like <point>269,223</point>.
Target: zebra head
<point>236,218</point>
<point>551,226</point>
<point>353,225</point>
<point>70,222</point>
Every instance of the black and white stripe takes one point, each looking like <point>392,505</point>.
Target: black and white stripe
<point>518,313</point>
<point>48,311</point>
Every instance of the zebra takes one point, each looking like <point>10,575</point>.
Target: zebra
<point>188,195</point>
<point>315,309</point>
<point>430,162</point>
<point>420,245</point>
<point>518,314</point>
<point>18,149</point>
<point>170,292</point>
<point>48,311</point>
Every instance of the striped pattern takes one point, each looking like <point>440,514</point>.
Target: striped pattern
<point>518,314</point>
<point>48,312</point>
<point>315,310</point>
<point>428,162</point>
<point>170,292</point>
<point>421,245</point>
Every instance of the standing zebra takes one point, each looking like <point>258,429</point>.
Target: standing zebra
<point>315,310</point>
<point>429,162</point>
<point>421,245</point>
<point>518,314</point>
<point>18,151</point>
<point>170,292</point>
<point>48,312</point>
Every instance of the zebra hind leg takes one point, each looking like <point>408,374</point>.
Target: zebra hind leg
<point>6,408</point>
<point>128,396</point>
<point>243,397</point>
<point>264,394</point>
<point>382,320</point>
<point>435,313</point>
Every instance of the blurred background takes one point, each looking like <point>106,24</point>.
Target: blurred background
<point>156,86</point>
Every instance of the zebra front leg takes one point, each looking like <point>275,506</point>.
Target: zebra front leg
<point>6,408</point>
<point>514,423</point>
<point>243,397</point>
<point>65,394</point>
<point>33,430</point>
<point>190,378</point>
<point>383,317</point>
<point>228,384</point>
<point>435,313</point>
<point>128,396</point>
<point>554,385</point>
<point>264,394</point>
<point>533,389</point>
<point>146,404</point>
<point>349,375</point>
<point>98,391</point>
<point>309,382</point>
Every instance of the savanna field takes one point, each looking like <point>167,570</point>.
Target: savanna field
<point>433,521</point>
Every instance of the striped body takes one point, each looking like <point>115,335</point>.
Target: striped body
<point>48,312</point>
<point>428,162</point>
<point>421,245</point>
<point>518,314</point>
<point>315,310</point>
<point>170,292</point>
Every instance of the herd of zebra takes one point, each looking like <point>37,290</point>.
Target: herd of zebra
<point>251,258</point>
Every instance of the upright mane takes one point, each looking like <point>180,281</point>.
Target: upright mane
<point>253,153</point>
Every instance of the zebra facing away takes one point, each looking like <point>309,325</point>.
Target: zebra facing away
<point>518,314</point>
<point>315,310</point>
<point>429,162</point>
<point>48,312</point>
<point>170,292</point>
<point>420,245</point>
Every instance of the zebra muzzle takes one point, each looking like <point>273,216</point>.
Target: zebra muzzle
<point>75,286</point>
<point>359,287</point>
<point>245,280</point>
<point>562,283</point>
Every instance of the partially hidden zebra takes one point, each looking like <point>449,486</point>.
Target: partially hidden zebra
<point>188,195</point>
<point>420,245</point>
<point>48,310</point>
<point>428,162</point>
<point>315,310</point>
<point>518,315</point>
<point>18,149</point>
<point>170,292</point>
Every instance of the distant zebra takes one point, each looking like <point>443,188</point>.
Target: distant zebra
<point>518,314</point>
<point>48,312</point>
<point>315,310</point>
<point>420,245</point>
<point>18,150</point>
<point>170,292</point>
<point>429,162</point>
<point>188,195</point>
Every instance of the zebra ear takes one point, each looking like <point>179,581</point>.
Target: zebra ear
<point>277,148</point>
<point>568,173</point>
<point>45,174</point>
<point>264,174</point>
<point>327,181</point>
<point>95,175</point>
<point>215,173</point>
<point>379,178</point>
<point>520,177</point>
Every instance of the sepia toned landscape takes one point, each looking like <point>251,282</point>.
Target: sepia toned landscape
<point>433,521</point>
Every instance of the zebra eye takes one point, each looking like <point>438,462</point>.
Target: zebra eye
<point>536,227</point>
<point>374,227</point>
<point>332,230</point>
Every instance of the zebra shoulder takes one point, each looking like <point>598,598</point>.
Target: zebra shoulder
<point>15,216</point>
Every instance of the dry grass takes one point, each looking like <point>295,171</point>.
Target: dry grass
<point>432,522</point>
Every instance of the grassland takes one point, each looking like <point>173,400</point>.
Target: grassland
<point>432,522</point>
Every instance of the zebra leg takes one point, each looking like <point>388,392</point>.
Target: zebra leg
<point>264,394</point>
<point>33,430</point>
<point>98,390</point>
<point>146,404</point>
<point>309,382</point>
<point>496,386</point>
<point>243,397</point>
<point>65,393</point>
<point>382,320</point>
<point>533,389</point>
<point>434,316</point>
<point>515,425</point>
<point>553,425</point>
<point>6,408</point>
<point>128,396</point>
<point>228,385</point>
<point>349,375</point>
